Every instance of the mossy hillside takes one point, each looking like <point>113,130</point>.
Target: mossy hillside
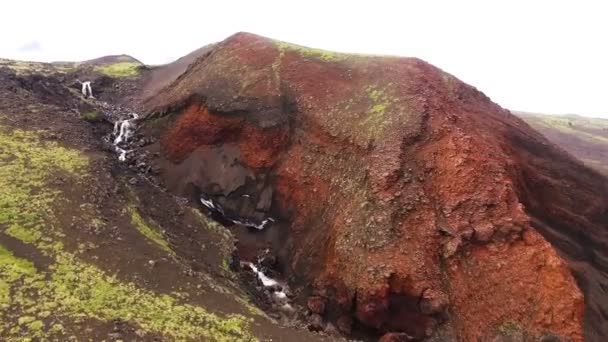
<point>120,69</point>
<point>25,164</point>
<point>25,67</point>
<point>324,55</point>
<point>36,302</point>
<point>589,129</point>
<point>573,121</point>
<point>74,289</point>
<point>11,270</point>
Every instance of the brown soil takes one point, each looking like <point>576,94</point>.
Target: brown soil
<point>411,203</point>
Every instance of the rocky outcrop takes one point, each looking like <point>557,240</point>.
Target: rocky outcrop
<point>409,204</point>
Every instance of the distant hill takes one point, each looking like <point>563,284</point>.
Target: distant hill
<point>163,75</point>
<point>583,137</point>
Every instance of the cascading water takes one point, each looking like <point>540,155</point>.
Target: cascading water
<point>87,91</point>
<point>216,208</point>
<point>121,140</point>
<point>276,289</point>
<point>123,131</point>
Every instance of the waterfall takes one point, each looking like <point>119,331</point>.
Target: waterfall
<point>87,91</point>
<point>217,208</point>
<point>279,295</point>
<point>123,131</point>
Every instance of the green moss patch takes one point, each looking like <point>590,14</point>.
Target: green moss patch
<point>38,303</point>
<point>324,55</point>
<point>12,268</point>
<point>25,67</point>
<point>120,69</point>
<point>25,165</point>
<point>91,116</point>
<point>75,289</point>
<point>380,102</point>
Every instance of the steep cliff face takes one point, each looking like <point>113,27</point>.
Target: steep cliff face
<point>405,200</point>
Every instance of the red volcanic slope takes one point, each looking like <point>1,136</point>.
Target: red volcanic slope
<point>410,202</point>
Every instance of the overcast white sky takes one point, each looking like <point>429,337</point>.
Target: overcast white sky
<point>544,56</point>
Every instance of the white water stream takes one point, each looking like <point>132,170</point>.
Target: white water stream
<point>276,288</point>
<point>123,131</point>
<point>87,91</point>
<point>218,209</point>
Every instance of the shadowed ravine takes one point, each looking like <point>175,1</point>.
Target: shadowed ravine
<point>122,138</point>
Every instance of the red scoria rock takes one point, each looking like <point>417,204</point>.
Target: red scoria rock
<point>405,193</point>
